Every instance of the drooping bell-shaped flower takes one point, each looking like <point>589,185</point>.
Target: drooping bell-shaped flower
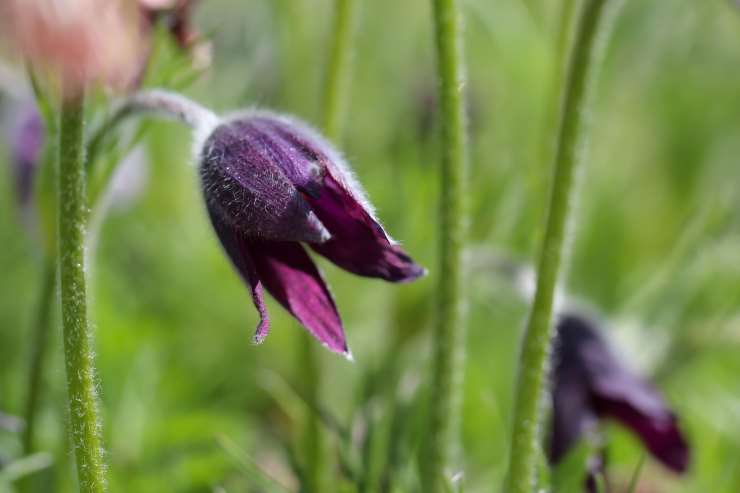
<point>590,384</point>
<point>272,183</point>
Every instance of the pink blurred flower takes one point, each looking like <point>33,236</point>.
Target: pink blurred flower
<point>81,41</point>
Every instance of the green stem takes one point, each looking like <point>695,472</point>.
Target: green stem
<point>313,443</point>
<point>570,143</point>
<point>336,89</point>
<point>339,68</point>
<point>154,101</point>
<point>78,352</point>
<point>449,330</point>
<point>39,344</point>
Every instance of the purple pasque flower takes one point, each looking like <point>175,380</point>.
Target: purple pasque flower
<point>271,183</point>
<point>590,384</point>
<point>27,142</point>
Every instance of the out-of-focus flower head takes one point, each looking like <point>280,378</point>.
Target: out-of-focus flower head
<point>271,183</point>
<point>177,17</point>
<point>27,141</point>
<point>81,41</point>
<point>590,384</point>
<point>177,14</point>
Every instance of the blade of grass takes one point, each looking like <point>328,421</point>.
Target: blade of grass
<point>250,467</point>
<point>632,488</point>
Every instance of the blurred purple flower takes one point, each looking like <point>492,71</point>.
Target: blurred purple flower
<point>271,182</point>
<point>590,384</point>
<point>27,141</point>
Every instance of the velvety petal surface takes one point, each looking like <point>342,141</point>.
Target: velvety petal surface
<point>235,244</point>
<point>291,277</point>
<point>244,184</point>
<point>358,242</point>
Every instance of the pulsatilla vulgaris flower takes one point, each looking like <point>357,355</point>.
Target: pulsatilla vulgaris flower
<point>271,183</point>
<point>589,384</point>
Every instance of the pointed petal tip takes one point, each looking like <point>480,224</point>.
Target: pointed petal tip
<point>417,272</point>
<point>261,331</point>
<point>318,234</point>
<point>348,355</point>
<point>409,273</point>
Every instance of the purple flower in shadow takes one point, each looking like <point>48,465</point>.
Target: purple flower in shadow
<point>590,384</point>
<point>271,183</point>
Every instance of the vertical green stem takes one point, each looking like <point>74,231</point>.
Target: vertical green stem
<point>449,331</point>
<point>537,338</point>
<point>339,69</point>
<point>336,88</point>
<point>78,352</point>
<point>39,343</point>
<point>313,443</point>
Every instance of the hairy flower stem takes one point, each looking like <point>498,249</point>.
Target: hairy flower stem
<point>449,330</point>
<point>167,104</point>
<point>571,139</point>
<point>339,69</point>
<point>39,344</point>
<point>78,352</point>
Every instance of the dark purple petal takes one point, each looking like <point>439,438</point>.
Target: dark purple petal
<point>658,431</point>
<point>302,154</point>
<point>615,392</point>
<point>572,415</point>
<point>292,278</point>
<point>244,185</point>
<point>358,242</point>
<point>237,249</point>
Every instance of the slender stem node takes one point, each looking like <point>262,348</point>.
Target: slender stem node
<point>571,139</point>
<point>449,330</point>
<point>78,344</point>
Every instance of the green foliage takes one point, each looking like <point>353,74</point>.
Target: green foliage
<point>191,405</point>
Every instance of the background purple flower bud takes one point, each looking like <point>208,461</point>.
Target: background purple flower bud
<point>590,384</point>
<point>271,182</point>
<point>27,141</point>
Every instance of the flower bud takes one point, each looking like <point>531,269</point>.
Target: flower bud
<point>270,183</point>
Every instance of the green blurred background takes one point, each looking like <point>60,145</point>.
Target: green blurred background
<point>190,405</point>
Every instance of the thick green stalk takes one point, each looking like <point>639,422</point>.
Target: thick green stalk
<point>537,338</point>
<point>339,68</point>
<point>78,352</point>
<point>449,331</point>
<point>39,343</point>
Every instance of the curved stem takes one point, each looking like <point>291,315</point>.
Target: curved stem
<point>78,353</point>
<point>568,156</point>
<point>449,330</point>
<point>167,104</point>
<point>39,344</point>
<point>339,68</point>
